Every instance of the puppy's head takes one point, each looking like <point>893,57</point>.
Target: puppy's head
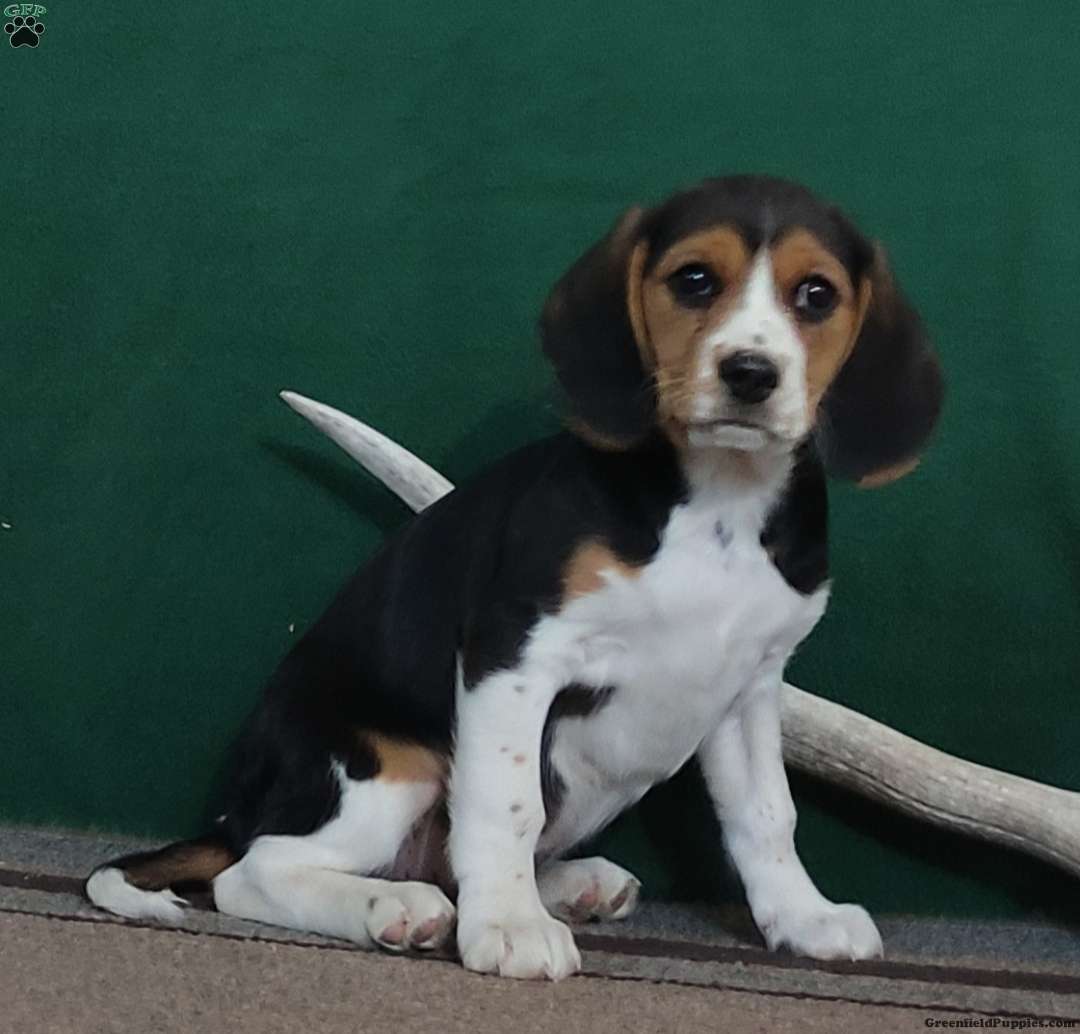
<point>744,314</point>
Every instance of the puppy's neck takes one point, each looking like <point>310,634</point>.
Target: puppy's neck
<point>740,473</point>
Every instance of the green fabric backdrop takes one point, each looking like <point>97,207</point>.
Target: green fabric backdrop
<point>202,204</point>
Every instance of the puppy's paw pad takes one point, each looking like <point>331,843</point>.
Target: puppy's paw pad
<point>539,948</point>
<point>589,888</point>
<point>587,901</point>
<point>829,932</point>
<point>432,933</point>
<point>412,915</point>
<point>388,922</point>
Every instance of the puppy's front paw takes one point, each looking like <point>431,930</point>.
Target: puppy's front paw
<point>825,931</point>
<point>529,947</point>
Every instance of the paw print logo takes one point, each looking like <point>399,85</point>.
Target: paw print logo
<point>24,32</point>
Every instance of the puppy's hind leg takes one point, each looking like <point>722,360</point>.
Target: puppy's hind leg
<point>322,882</point>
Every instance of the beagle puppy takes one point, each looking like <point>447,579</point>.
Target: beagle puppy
<point>528,656</point>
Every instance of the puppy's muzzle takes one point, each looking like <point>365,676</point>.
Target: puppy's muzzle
<point>749,376</point>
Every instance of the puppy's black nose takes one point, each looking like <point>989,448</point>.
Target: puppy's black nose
<point>750,377</point>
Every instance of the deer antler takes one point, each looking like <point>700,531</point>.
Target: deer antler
<point>820,737</point>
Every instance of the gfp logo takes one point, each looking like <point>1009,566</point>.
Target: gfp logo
<point>24,29</point>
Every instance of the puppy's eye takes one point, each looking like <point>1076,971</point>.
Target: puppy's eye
<point>815,299</point>
<point>694,284</point>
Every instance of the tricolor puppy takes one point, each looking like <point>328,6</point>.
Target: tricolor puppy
<point>526,658</point>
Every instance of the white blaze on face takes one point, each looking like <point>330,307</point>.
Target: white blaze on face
<point>758,323</point>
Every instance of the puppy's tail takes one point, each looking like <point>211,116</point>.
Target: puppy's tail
<point>140,886</point>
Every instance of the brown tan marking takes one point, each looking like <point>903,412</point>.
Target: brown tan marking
<point>888,475</point>
<point>635,303</point>
<point>583,572</point>
<point>675,333</point>
<point>187,862</point>
<point>404,762</point>
<point>796,256</point>
<point>595,438</point>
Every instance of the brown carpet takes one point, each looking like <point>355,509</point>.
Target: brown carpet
<point>100,978</point>
<point>66,966</point>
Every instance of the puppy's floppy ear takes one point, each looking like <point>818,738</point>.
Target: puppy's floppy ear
<point>592,330</point>
<point>879,411</point>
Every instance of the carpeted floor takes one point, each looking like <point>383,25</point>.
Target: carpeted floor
<point>64,966</point>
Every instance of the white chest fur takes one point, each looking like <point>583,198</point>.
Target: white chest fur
<point>705,621</point>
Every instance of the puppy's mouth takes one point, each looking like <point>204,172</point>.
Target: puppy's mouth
<point>729,434</point>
